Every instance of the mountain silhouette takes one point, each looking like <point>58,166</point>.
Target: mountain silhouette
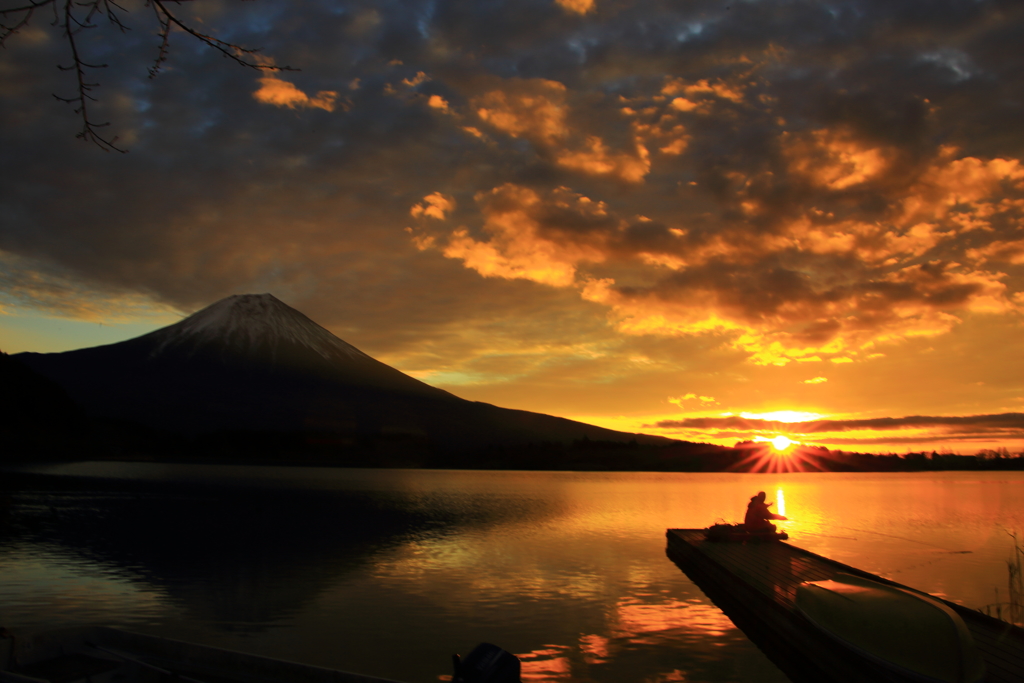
<point>252,364</point>
<point>36,414</point>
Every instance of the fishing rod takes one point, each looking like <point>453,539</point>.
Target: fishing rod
<point>904,538</point>
<point>879,533</point>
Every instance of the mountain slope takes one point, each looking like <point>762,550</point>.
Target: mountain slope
<point>35,413</point>
<point>251,363</point>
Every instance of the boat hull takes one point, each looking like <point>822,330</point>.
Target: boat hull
<point>911,633</point>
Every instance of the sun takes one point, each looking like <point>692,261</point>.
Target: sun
<point>779,453</point>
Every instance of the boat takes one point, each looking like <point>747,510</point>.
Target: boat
<point>910,633</point>
<point>738,533</point>
<point>106,655</point>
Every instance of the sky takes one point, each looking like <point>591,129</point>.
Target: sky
<point>714,221</point>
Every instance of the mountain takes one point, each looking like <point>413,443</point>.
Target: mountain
<point>251,365</point>
<point>35,412</point>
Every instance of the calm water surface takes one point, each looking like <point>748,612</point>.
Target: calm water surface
<point>388,572</point>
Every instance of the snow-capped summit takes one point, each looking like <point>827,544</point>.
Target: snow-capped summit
<point>258,333</point>
<point>251,325</point>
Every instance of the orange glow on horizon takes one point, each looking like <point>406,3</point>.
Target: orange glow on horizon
<point>839,433</point>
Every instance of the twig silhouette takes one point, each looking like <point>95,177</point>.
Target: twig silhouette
<point>73,17</point>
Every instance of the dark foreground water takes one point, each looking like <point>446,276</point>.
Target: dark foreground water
<point>388,572</point>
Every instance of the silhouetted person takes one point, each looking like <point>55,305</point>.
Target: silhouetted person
<point>758,514</point>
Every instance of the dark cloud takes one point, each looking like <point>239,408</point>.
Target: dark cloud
<point>789,181</point>
<point>1008,421</point>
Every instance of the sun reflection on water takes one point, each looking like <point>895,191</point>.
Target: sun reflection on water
<point>546,664</point>
<point>595,648</point>
<point>568,568</point>
<point>637,621</point>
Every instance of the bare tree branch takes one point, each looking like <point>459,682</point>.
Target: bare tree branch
<point>73,26</point>
<point>230,50</point>
<point>75,16</point>
<point>26,12</point>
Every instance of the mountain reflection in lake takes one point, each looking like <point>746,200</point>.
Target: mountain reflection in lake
<point>388,572</point>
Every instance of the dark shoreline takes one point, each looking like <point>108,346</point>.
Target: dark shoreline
<point>581,456</point>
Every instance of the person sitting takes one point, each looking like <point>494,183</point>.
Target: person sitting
<point>758,515</point>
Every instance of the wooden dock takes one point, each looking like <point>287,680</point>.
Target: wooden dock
<point>754,584</point>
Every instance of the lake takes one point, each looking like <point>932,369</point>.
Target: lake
<point>389,572</point>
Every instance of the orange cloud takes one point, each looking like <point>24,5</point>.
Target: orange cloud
<point>576,6</point>
<point>683,104</point>
<point>533,109</point>
<point>796,285</point>
<point>677,146</point>
<point>419,78</point>
<point>596,160</point>
<point>698,97</point>
<point>281,93</point>
<point>536,110</point>
<point>949,197</point>
<point>724,286</point>
<point>870,242</point>
<point>838,324</point>
<point>438,102</point>
<point>1005,251</point>
<point>670,137</point>
<point>719,89</point>
<point>834,159</point>
<point>434,205</point>
<point>965,184</point>
<point>948,286</point>
<point>526,241</point>
<point>704,400</point>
